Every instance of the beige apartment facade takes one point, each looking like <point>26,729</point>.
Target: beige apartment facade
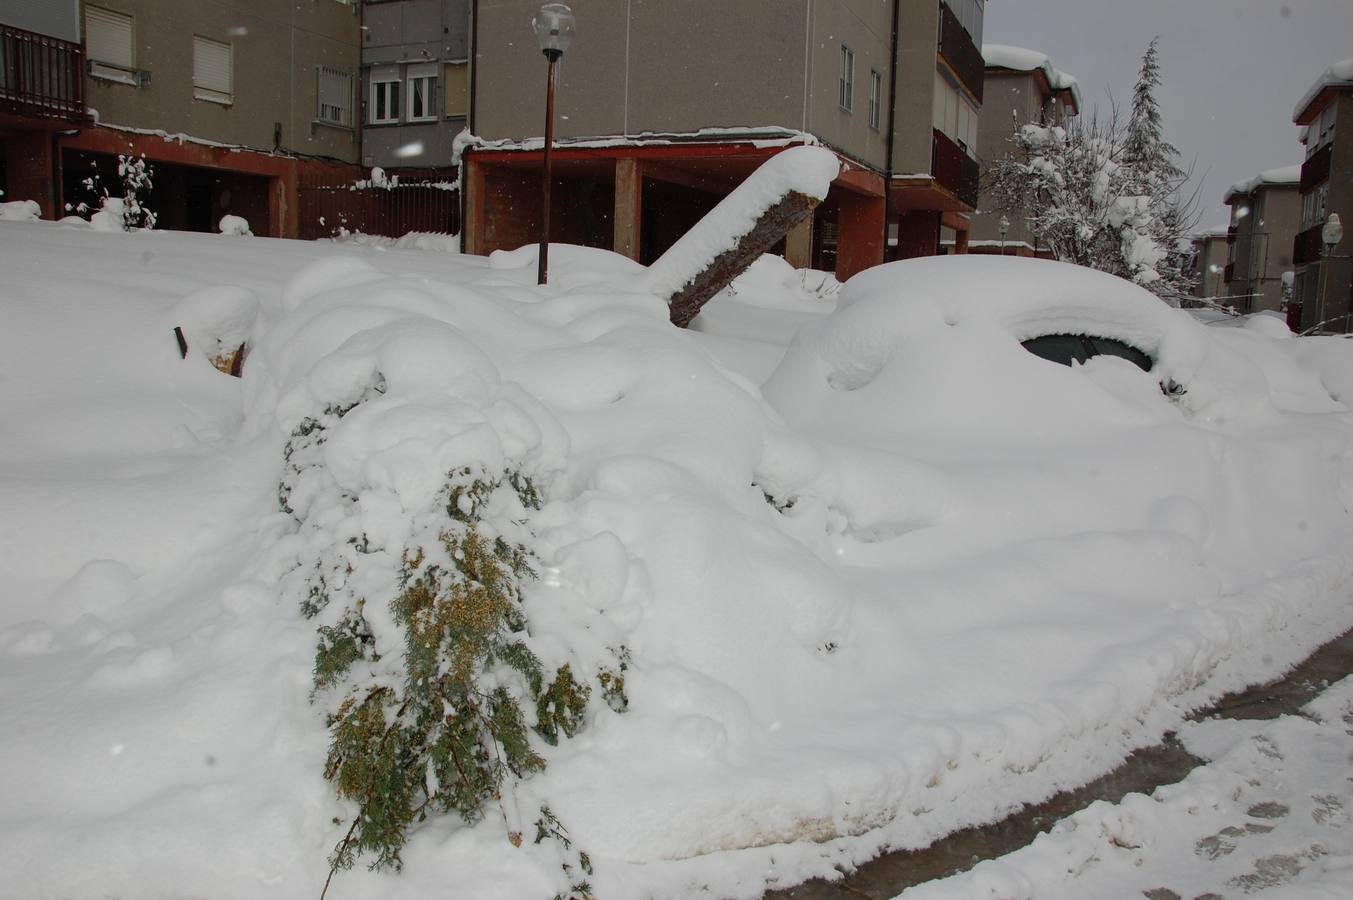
<point>663,106</point>
<point>1324,275</point>
<point>1022,87</point>
<point>231,102</point>
<point>1265,218</point>
<point>1210,251</point>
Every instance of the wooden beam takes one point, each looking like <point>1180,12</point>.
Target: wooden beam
<point>629,190</point>
<point>773,224</point>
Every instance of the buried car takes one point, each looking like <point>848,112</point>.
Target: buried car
<point>971,344</point>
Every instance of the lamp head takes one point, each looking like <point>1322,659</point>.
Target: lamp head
<point>553,26</point>
<point>1333,231</point>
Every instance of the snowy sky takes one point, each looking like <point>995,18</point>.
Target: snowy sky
<point>1232,70</point>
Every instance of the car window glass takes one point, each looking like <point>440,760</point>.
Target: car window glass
<point>1059,348</point>
<point>1111,347</point>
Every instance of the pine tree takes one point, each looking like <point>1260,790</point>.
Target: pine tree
<point>1103,194</point>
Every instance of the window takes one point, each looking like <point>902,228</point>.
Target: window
<point>335,96</point>
<point>384,107</point>
<point>422,79</point>
<point>212,71</point>
<point>847,78</point>
<point>457,90</point>
<point>875,98</point>
<point>108,44</point>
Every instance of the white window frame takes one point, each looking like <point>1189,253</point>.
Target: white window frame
<point>213,71</point>
<point>875,98</point>
<point>333,84</point>
<point>847,92</point>
<point>424,75</point>
<point>381,81</point>
<point>110,43</point>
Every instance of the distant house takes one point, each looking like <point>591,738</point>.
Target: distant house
<point>664,107</point>
<point>1265,217</point>
<point>230,104</point>
<point>1210,249</point>
<point>1022,87</point>
<point>1325,289</point>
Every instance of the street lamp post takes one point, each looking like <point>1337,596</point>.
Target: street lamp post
<point>1330,235</point>
<point>553,26</point>
<point>1004,226</point>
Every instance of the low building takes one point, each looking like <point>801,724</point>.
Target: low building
<point>1324,279</point>
<point>42,93</point>
<point>1265,218</point>
<point>1022,87</point>
<point>230,104</point>
<point>662,108</point>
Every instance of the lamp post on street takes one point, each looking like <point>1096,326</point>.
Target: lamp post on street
<point>1330,235</point>
<point>1004,226</point>
<point>553,26</point>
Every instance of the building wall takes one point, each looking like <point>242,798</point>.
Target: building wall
<point>276,48</point>
<point>1335,283</point>
<point>634,69</point>
<point>866,27</point>
<point>1277,220</point>
<point>916,73</point>
<point>1209,265</point>
<point>54,18</point>
<point>398,32</point>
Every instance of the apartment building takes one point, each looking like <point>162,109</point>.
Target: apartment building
<point>41,94</point>
<point>1022,87</point>
<point>663,106</point>
<point>1265,218</point>
<point>1210,250</point>
<point>415,83</point>
<point>230,101</point>
<point>1324,281</point>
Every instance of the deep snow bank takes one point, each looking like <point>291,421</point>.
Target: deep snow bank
<point>934,578</point>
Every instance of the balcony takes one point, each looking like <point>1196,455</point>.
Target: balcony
<point>40,77</point>
<point>954,169</point>
<point>1316,170</point>
<point>1307,247</point>
<point>962,55</point>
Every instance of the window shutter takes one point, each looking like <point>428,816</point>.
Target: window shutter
<point>335,96</point>
<point>108,37</point>
<point>211,70</point>
<point>457,89</point>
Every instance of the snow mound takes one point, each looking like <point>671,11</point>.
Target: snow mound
<point>235,225</point>
<point>20,211</point>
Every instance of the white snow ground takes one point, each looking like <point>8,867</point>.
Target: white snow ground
<point>985,577</point>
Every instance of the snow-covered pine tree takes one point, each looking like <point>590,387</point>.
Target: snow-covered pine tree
<point>1105,195</point>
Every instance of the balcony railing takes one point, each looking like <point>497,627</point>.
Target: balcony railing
<point>953,168</point>
<point>959,51</point>
<point>40,76</point>
<point>1316,170</point>
<point>1307,248</point>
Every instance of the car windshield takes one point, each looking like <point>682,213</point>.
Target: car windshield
<point>1069,348</point>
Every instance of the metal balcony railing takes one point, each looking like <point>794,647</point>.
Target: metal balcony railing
<point>40,76</point>
<point>953,168</point>
<point>958,50</point>
<point>1316,170</point>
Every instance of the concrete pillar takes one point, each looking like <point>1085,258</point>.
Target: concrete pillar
<point>799,244</point>
<point>629,205</point>
<point>29,162</point>
<point>961,241</point>
<point>859,241</point>
<point>918,234</point>
<point>472,229</point>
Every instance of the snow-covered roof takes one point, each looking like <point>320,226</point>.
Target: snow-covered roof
<point>1218,231</point>
<point>1021,59</point>
<point>1279,176</point>
<point>1338,75</point>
